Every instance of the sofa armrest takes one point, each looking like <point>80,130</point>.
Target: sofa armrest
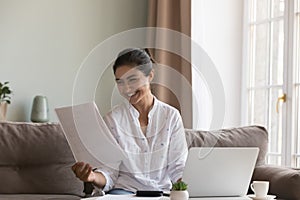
<point>284,182</point>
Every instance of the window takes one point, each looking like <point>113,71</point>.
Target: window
<point>297,82</point>
<point>272,42</point>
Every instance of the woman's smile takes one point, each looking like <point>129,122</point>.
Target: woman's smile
<point>131,83</point>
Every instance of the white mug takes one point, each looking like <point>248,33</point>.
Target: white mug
<point>260,188</point>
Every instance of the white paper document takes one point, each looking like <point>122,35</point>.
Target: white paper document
<point>88,136</point>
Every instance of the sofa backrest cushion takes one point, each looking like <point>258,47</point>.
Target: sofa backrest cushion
<point>36,158</point>
<point>248,136</point>
<point>284,181</point>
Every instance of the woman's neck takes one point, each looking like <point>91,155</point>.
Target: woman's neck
<point>144,106</point>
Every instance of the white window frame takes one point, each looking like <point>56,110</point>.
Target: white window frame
<point>289,139</point>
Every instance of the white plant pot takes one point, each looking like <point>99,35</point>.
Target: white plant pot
<point>3,109</point>
<point>179,195</point>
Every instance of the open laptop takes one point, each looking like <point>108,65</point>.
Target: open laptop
<point>219,172</point>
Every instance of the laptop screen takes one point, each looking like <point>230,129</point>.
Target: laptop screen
<point>219,171</point>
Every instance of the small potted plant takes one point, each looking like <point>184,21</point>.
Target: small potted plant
<point>5,95</point>
<point>179,191</point>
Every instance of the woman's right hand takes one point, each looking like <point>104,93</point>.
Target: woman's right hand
<point>84,172</point>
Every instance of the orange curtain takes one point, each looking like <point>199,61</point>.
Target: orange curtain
<point>175,15</point>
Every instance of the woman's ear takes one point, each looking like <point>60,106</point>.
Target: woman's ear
<point>151,75</point>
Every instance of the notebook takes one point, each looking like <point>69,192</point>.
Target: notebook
<point>219,172</point>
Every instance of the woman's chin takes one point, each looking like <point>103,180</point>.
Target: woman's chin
<point>133,100</point>
<point>127,97</point>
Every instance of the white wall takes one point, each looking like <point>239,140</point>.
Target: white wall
<point>217,28</point>
<point>43,43</point>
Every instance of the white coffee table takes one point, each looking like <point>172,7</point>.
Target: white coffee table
<point>123,197</point>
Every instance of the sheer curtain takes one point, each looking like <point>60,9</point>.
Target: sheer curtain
<point>174,15</point>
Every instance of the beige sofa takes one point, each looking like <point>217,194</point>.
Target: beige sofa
<point>35,161</point>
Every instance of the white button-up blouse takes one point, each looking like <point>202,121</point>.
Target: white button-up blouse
<point>153,160</point>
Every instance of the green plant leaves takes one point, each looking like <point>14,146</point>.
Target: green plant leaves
<point>5,92</point>
<point>180,185</point>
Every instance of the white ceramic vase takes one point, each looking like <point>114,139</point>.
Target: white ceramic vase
<point>40,110</point>
<point>179,195</point>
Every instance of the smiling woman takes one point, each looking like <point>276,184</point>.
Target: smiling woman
<point>133,72</point>
<point>150,133</point>
<point>132,82</point>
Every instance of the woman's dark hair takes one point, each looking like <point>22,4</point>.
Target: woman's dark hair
<point>139,58</point>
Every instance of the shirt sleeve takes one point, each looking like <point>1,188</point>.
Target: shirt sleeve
<point>178,150</point>
<point>110,175</point>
